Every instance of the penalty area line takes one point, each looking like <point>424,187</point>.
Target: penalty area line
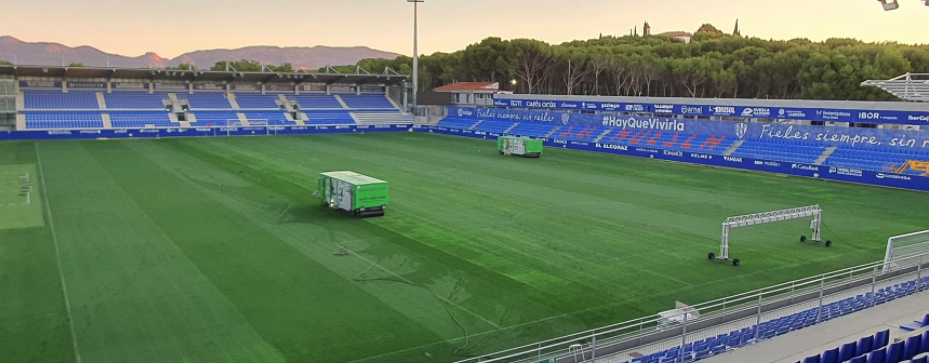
<point>61,275</point>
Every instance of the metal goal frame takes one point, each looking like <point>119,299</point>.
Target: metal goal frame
<point>770,217</point>
<point>889,257</point>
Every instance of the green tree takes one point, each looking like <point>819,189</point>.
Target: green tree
<point>183,67</point>
<point>5,63</point>
<point>243,65</point>
<point>76,65</point>
<point>714,64</point>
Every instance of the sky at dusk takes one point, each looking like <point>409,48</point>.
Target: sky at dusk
<point>173,27</point>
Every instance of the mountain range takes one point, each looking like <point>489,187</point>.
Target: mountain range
<point>55,54</point>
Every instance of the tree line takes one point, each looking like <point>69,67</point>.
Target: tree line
<point>713,64</point>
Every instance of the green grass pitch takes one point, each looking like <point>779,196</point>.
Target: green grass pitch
<point>213,249</point>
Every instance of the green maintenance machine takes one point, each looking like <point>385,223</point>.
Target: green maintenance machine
<point>520,146</point>
<point>361,195</point>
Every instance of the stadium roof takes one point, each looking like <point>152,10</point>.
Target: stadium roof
<point>164,75</point>
<point>745,102</point>
<point>911,86</point>
<point>479,87</point>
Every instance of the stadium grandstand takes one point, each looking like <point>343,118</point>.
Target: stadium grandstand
<point>877,136</point>
<point>82,99</point>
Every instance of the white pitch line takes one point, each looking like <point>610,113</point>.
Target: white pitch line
<point>61,275</point>
<point>411,283</point>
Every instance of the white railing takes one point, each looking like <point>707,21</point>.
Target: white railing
<point>752,306</point>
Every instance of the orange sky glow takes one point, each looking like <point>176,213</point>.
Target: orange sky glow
<point>172,27</point>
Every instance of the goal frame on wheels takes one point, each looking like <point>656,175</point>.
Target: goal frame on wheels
<point>769,217</point>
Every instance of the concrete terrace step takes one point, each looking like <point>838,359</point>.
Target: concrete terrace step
<point>553,132</point>
<point>20,121</point>
<point>732,148</point>
<point>825,155</point>
<point>20,100</point>
<point>101,100</point>
<point>342,102</point>
<point>602,135</point>
<point>107,123</point>
<point>511,128</point>
<point>232,101</point>
<point>381,118</point>
<point>243,119</point>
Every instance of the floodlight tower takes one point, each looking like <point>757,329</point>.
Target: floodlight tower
<point>415,49</point>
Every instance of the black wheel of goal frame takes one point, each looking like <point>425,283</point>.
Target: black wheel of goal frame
<point>802,238</point>
<point>828,243</point>
<point>711,256</point>
<point>736,262</point>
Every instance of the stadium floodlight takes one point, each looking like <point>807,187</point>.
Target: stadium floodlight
<point>415,48</point>
<point>888,6</point>
<point>768,217</point>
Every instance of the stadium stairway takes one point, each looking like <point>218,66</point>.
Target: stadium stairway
<point>381,118</point>
<point>475,125</point>
<point>603,134</point>
<point>242,118</point>
<point>341,101</point>
<point>511,128</point>
<point>393,103</point>
<point>107,122</point>
<point>553,131</point>
<point>299,120</point>
<point>102,101</point>
<point>191,119</point>
<point>20,121</point>
<point>232,101</point>
<point>825,155</point>
<point>732,148</point>
<point>20,100</point>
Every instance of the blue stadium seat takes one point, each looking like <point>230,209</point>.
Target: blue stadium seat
<point>913,347</point>
<point>881,338</point>
<point>329,118</point>
<point>457,123</point>
<point>494,126</point>
<point>533,129</point>
<point>367,101</point>
<point>256,100</point>
<point>895,352</point>
<point>813,359</point>
<point>925,342</point>
<point>271,117</point>
<point>878,356</point>
<point>63,119</point>
<point>132,119</point>
<point>830,356</point>
<point>315,101</point>
<point>865,345</point>
<point>59,100</point>
<point>135,100</point>
<point>214,118</point>
<point>213,100</point>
